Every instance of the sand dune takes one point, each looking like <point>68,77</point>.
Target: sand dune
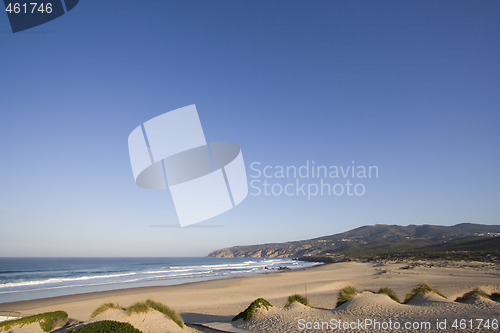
<point>371,308</point>
<point>149,322</point>
<point>221,300</point>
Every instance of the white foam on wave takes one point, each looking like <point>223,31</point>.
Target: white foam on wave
<point>59,280</point>
<point>172,272</point>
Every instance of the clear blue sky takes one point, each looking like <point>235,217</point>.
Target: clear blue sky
<point>409,86</point>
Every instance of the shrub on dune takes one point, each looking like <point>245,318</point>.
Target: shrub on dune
<point>47,321</point>
<point>421,289</point>
<point>474,293</point>
<point>142,307</point>
<point>103,308</point>
<point>297,298</point>
<point>107,326</point>
<point>249,312</point>
<point>389,292</point>
<point>139,307</point>
<point>346,294</point>
<point>167,311</point>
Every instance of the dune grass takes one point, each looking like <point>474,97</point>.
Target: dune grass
<point>139,307</point>
<point>297,298</point>
<point>346,294</point>
<point>389,292</point>
<point>107,326</point>
<point>474,293</point>
<point>143,307</point>
<point>47,321</point>
<point>105,307</point>
<point>250,310</point>
<point>167,311</point>
<point>421,289</point>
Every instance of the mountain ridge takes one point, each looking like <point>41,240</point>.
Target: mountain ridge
<point>379,240</point>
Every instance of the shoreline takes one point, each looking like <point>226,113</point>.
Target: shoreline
<point>93,275</point>
<point>221,299</point>
<point>55,300</point>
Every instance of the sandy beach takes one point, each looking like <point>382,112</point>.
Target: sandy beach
<point>218,301</point>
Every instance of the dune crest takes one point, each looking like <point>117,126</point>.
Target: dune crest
<point>147,322</point>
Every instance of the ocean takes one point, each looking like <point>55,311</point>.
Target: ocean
<point>34,278</point>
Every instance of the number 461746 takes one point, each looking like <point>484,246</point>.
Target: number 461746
<point>29,8</point>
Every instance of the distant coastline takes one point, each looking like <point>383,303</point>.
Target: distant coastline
<point>466,241</point>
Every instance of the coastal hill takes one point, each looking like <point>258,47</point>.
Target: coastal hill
<point>461,241</point>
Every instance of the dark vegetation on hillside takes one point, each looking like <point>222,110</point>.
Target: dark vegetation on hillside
<point>464,241</point>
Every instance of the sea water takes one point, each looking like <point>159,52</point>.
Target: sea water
<point>33,278</point>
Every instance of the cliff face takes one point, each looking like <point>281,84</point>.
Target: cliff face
<point>378,239</point>
<point>269,251</point>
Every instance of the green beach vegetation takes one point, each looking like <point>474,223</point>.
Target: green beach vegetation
<point>250,310</point>
<point>474,293</point>
<point>346,294</point>
<point>106,326</point>
<point>47,321</point>
<point>150,304</point>
<point>297,298</point>
<point>421,289</point>
<point>143,307</point>
<point>105,307</point>
<point>389,292</point>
